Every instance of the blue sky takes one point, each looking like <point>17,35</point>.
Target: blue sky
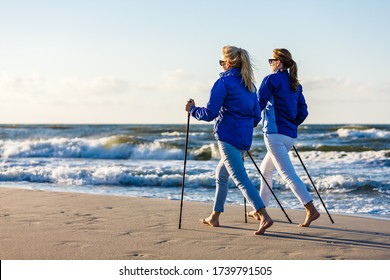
<point>139,61</point>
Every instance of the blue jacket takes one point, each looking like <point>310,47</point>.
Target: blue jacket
<point>282,110</point>
<point>234,108</point>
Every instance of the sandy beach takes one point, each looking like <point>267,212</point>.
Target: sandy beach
<point>46,225</point>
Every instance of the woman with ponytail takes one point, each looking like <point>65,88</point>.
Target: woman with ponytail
<point>283,109</point>
<point>234,107</point>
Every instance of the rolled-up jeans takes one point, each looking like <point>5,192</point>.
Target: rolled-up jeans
<point>277,158</point>
<point>232,165</point>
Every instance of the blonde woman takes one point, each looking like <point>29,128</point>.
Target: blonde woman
<point>234,107</point>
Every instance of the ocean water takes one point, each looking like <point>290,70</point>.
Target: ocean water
<point>349,164</point>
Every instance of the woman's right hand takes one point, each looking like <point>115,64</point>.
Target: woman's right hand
<point>189,105</point>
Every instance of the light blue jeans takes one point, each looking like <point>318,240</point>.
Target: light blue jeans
<point>277,158</point>
<point>232,165</point>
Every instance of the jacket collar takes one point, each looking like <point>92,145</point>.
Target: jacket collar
<point>231,72</point>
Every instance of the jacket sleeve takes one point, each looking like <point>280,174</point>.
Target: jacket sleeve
<point>265,92</point>
<point>302,111</point>
<point>211,111</point>
<point>257,112</point>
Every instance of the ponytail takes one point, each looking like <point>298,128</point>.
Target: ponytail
<point>285,57</point>
<point>247,71</point>
<point>239,58</point>
<point>293,73</point>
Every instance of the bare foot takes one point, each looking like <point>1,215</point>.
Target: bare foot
<point>211,221</point>
<point>254,215</point>
<point>309,218</point>
<point>263,226</point>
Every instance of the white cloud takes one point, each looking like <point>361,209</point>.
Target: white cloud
<point>38,89</point>
<point>342,100</point>
<point>384,88</point>
<point>321,83</point>
<point>36,98</point>
<point>175,76</point>
<point>97,87</point>
<point>343,89</point>
<point>20,87</point>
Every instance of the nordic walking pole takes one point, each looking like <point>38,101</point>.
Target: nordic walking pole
<point>258,169</point>
<point>184,170</point>
<point>246,218</point>
<point>304,167</point>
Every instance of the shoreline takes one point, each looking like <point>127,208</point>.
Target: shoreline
<point>322,212</point>
<point>49,225</point>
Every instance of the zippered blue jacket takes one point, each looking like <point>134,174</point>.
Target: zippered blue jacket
<point>234,108</point>
<point>282,110</point>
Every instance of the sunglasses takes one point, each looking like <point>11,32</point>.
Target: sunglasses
<point>222,62</point>
<point>272,60</point>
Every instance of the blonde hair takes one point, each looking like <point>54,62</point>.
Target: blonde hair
<point>284,56</point>
<point>239,58</point>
